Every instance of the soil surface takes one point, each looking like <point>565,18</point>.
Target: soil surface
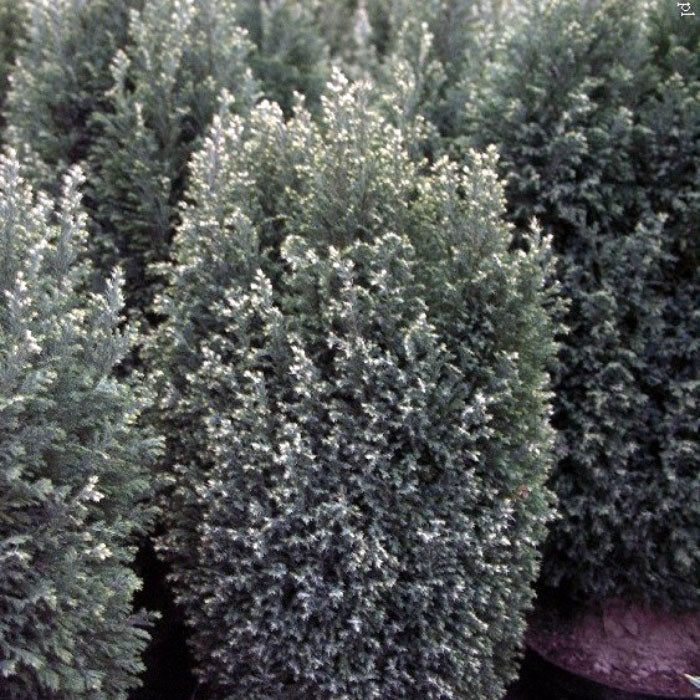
<point>621,644</point>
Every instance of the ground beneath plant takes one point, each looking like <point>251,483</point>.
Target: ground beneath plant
<point>621,644</point>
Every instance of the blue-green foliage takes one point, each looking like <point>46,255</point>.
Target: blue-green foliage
<point>165,85</point>
<point>12,27</point>
<point>60,80</point>
<point>75,466</point>
<point>596,112</point>
<point>352,372</point>
<point>290,54</point>
<point>434,52</point>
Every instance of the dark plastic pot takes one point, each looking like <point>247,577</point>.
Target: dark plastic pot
<point>542,679</point>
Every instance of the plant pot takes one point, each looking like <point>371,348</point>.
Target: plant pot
<point>542,679</point>
<point>618,650</point>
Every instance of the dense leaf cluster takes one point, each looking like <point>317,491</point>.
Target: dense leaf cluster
<point>290,54</point>
<point>60,79</point>
<point>12,18</point>
<point>75,466</point>
<point>596,112</point>
<point>349,343</point>
<point>165,84</point>
<point>360,363</point>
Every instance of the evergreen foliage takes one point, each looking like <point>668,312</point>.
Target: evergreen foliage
<point>596,117</point>
<point>290,55</point>
<point>347,28</point>
<point>60,80</point>
<point>351,362</point>
<point>359,362</point>
<point>75,465</point>
<point>439,47</point>
<point>12,25</point>
<point>165,86</point>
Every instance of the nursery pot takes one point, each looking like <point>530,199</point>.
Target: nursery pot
<point>542,679</point>
<point>617,650</point>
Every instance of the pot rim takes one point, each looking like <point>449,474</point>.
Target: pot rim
<point>603,690</point>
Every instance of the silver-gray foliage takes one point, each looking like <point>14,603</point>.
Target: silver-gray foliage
<point>164,92</point>
<point>59,80</point>
<point>75,466</point>
<point>596,113</point>
<point>353,385</point>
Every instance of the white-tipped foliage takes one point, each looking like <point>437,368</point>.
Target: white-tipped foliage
<point>596,117</point>
<point>290,53</point>
<point>74,464</point>
<point>165,90</point>
<point>356,412</point>
<point>60,78</point>
<point>432,52</point>
<point>12,27</point>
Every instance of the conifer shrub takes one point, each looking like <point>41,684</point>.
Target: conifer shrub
<point>353,387</point>
<point>347,28</point>
<point>60,80</point>
<point>164,91</point>
<point>461,34</point>
<point>596,118</point>
<point>76,465</point>
<point>290,54</point>
<point>12,26</point>
<point>439,47</point>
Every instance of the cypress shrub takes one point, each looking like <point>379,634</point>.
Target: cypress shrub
<point>165,86</point>
<point>354,392</point>
<point>60,80</point>
<point>347,28</point>
<point>462,33</point>
<point>598,133</point>
<point>439,47</point>
<point>75,464</point>
<point>289,55</point>
<point>12,26</point>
